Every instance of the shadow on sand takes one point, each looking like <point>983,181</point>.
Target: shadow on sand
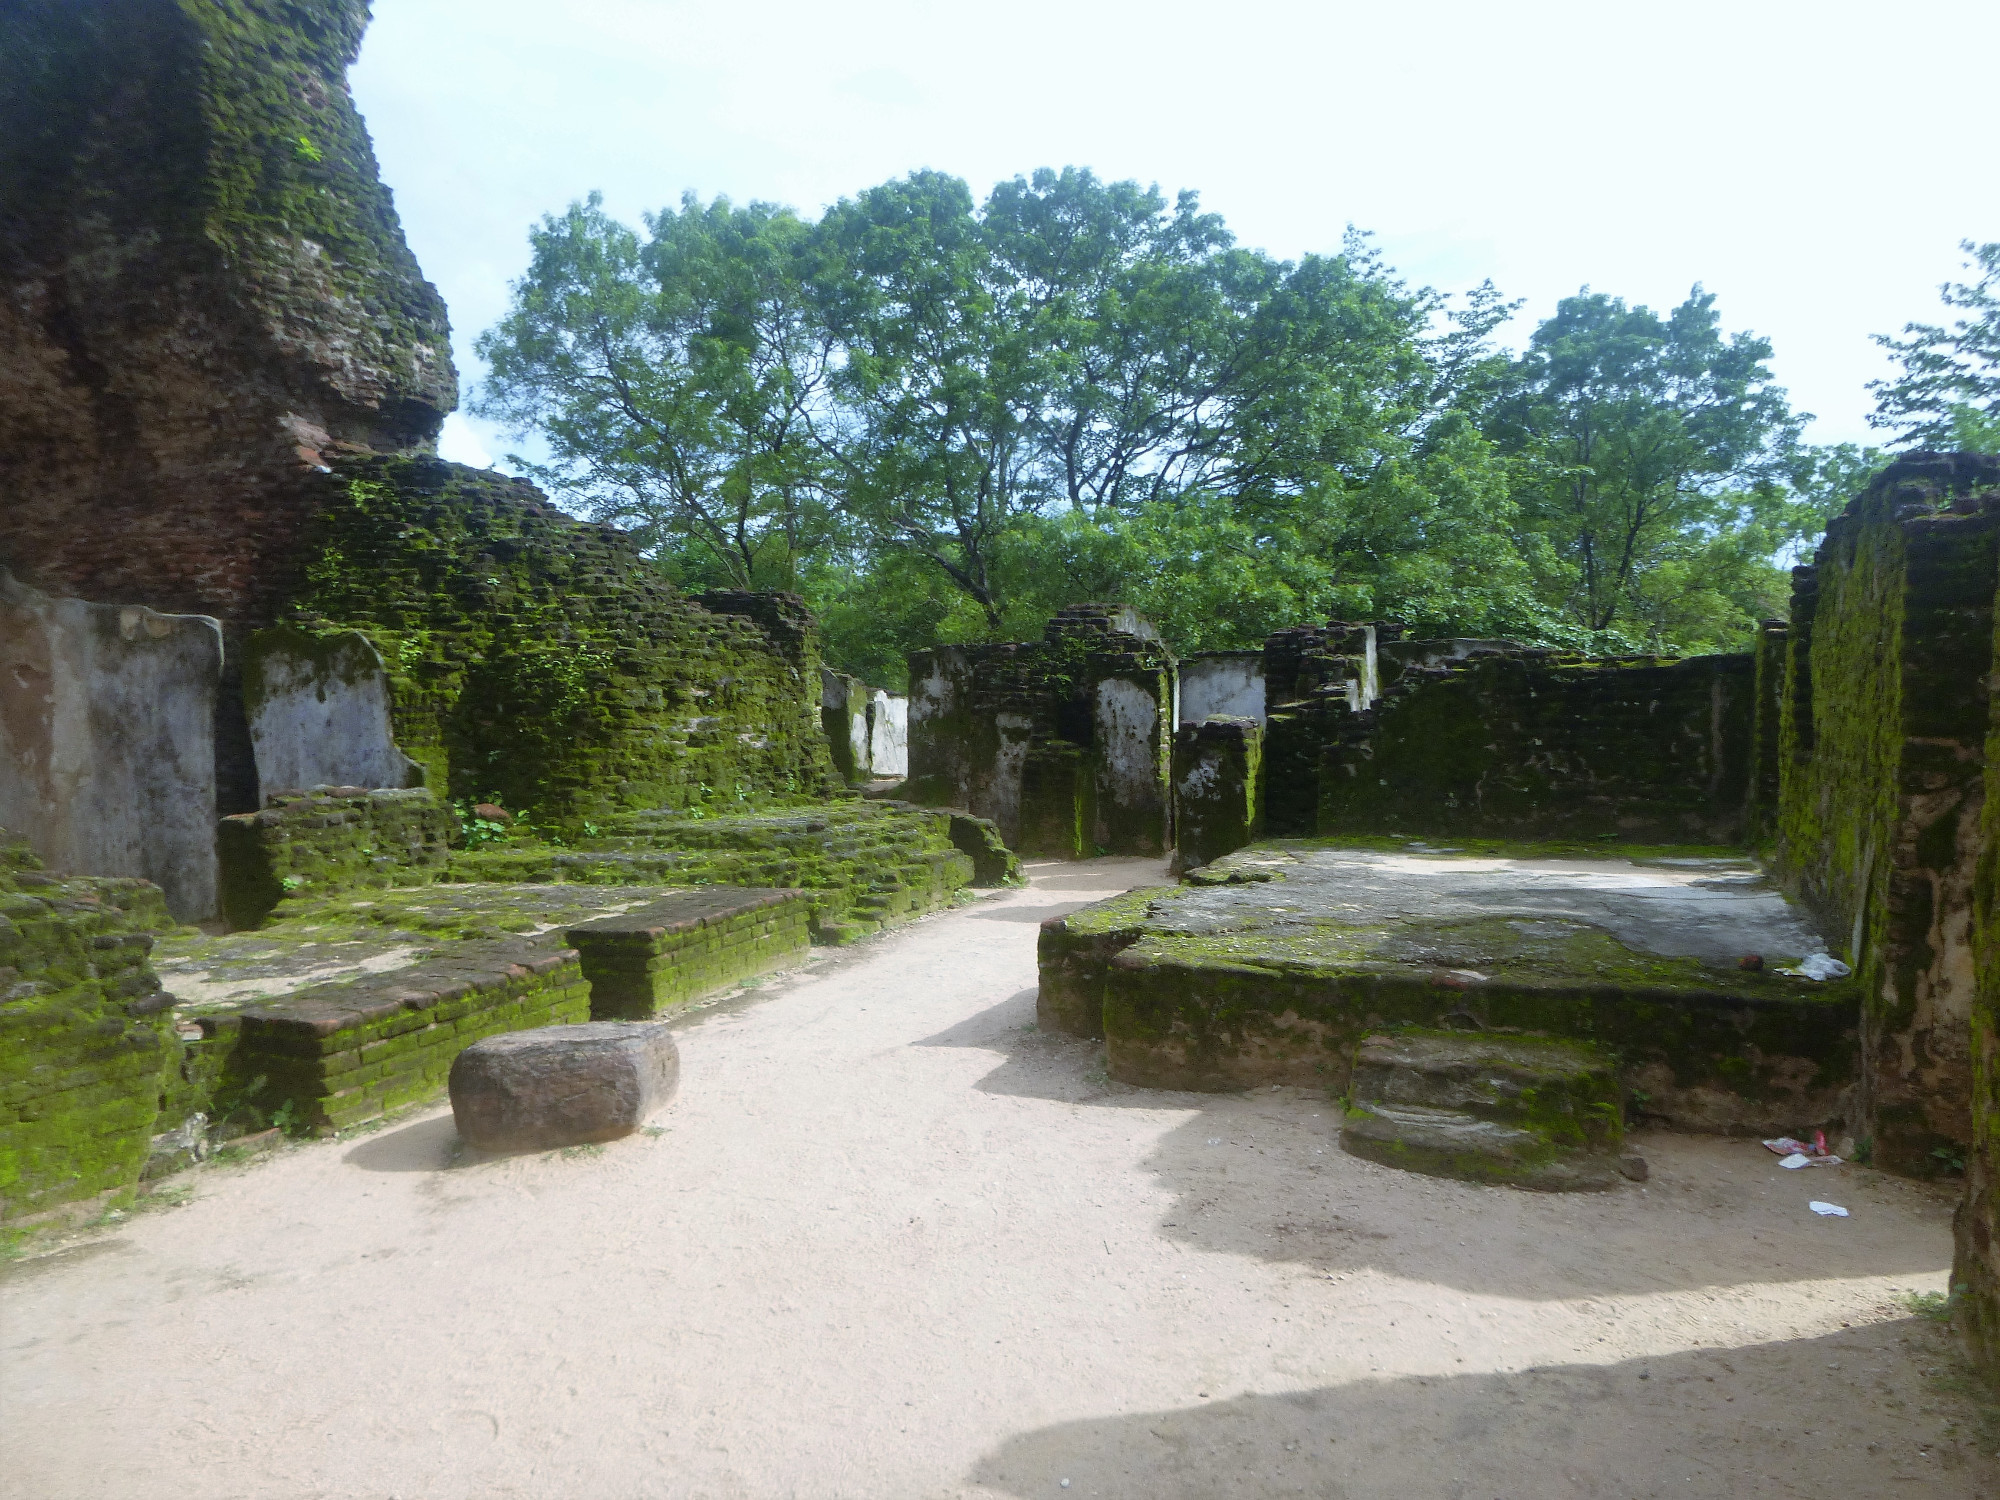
<point>1679,1425</point>
<point>1262,1174</point>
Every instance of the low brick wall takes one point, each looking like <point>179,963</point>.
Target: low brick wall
<point>85,1043</point>
<point>343,1053</point>
<point>327,839</point>
<point>685,945</point>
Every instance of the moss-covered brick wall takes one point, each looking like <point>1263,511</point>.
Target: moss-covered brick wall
<point>1760,816</point>
<point>1882,764</point>
<point>658,957</point>
<point>544,662</point>
<point>204,292</point>
<point>863,865</point>
<point>330,839</point>
<point>1317,679</point>
<point>1975,1271</point>
<point>87,1047</point>
<point>1519,743</point>
<point>339,1054</point>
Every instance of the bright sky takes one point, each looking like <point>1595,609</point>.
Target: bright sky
<point>1813,162</point>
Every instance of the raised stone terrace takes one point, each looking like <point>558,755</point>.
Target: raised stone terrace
<point>1275,962</point>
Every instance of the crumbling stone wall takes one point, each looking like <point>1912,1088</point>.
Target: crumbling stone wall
<point>1066,743</point>
<point>222,369</point>
<point>207,295</point>
<point>1885,719</point>
<point>1316,678</point>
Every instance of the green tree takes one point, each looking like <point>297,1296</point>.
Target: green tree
<point>1652,463</point>
<point>675,382</point>
<point>1948,394</point>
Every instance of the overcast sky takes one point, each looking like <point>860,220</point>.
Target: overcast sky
<point>1813,164</point>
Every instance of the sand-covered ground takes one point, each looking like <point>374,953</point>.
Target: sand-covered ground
<point>891,1241</point>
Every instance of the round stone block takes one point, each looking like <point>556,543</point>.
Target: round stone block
<point>562,1085</point>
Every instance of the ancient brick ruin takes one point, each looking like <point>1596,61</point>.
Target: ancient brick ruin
<point>430,761</point>
<point>268,665</point>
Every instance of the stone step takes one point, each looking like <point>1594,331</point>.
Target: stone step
<point>1533,1111</point>
<point>1454,1143</point>
<point>1539,1080</point>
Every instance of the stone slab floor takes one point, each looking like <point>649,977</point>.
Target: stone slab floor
<point>890,1241</point>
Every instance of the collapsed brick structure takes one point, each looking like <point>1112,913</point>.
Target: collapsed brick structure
<point>224,377</point>
<point>238,590</point>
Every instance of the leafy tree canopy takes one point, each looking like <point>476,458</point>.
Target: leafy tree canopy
<point>1948,394</point>
<point>943,419</point>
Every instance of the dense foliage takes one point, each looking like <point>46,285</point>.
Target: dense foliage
<point>943,420</point>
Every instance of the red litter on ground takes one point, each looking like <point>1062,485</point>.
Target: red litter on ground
<point>1797,1153</point>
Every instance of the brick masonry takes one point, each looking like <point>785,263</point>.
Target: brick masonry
<point>658,957</point>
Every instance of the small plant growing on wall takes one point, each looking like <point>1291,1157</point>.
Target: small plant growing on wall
<point>478,823</point>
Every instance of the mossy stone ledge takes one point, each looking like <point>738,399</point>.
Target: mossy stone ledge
<point>1298,948</point>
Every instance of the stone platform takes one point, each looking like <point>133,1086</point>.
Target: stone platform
<point>350,1006</point>
<point>1286,954</point>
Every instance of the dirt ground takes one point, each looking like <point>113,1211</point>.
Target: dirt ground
<point>892,1241</point>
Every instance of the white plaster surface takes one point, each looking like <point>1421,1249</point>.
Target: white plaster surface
<point>107,740</point>
<point>1231,683</point>
<point>888,734</point>
<point>321,717</point>
<point>1130,753</point>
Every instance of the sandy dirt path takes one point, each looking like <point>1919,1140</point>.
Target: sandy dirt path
<point>891,1241</point>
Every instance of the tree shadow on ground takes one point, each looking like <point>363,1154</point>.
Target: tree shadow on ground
<point>1262,1174</point>
<point>1853,1413</point>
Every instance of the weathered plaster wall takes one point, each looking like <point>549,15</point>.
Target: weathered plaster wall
<point>843,709</point>
<point>1132,739</point>
<point>1218,765</point>
<point>107,748</point>
<point>319,710</point>
<point>1230,683</point>
<point>1064,743</point>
